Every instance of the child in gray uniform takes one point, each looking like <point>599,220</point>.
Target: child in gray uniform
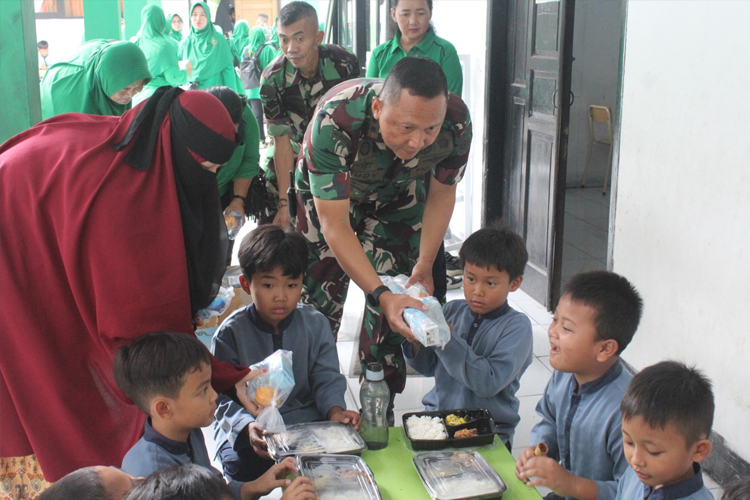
<point>273,262</point>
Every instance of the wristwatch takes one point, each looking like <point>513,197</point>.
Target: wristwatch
<point>373,298</point>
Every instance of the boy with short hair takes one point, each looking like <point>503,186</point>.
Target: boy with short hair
<point>491,344</point>
<point>667,413</point>
<point>273,262</point>
<point>168,376</point>
<point>594,322</point>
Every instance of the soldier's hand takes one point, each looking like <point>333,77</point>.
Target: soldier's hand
<point>393,305</point>
<point>422,273</point>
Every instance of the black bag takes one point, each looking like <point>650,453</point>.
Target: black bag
<point>260,202</point>
<point>250,69</point>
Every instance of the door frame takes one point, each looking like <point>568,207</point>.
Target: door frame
<point>496,174</point>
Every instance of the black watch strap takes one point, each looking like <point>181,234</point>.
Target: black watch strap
<point>373,298</point>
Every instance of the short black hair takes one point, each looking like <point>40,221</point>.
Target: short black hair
<point>157,364</point>
<point>264,16</point>
<point>270,246</point>
<point>294,11</point>
<point>42,44</point>
<point>618,304</point>
<point>182,482</point>
<point>496,246</point>
<point>394,4</point>
<point>421,76</point>
<point>671,393</point>
<point>737,490</point>
<point>83,484</point>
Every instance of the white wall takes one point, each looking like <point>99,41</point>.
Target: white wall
<point>596,48</point>
<point>682,226</point>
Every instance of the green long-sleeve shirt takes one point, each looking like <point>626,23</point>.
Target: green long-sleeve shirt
<point>244,162</point>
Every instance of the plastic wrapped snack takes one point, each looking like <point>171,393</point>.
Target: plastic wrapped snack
<point>272,388</point>
<point>219,304</point>
<point>429,327</point>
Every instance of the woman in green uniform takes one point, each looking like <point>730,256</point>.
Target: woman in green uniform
<point>100,78</point>
<point>416,37</point>
<point>208,52</point>
<point>174,21</point>
<point>240,39</point>
<point>161,53</point>
<point>267,54</point>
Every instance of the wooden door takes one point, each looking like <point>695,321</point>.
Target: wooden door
<point>249,10</point>
<point>534,123</point>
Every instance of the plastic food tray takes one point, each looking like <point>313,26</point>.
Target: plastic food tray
<point>339,477</point>
<point>479,419</point>
<point>316,437</point>
<point>458,475</point>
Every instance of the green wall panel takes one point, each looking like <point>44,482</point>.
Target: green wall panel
<point>101,19</point>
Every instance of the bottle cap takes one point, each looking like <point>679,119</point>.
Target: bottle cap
<point>374,372</point>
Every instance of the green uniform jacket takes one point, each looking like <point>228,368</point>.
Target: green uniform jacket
<point>244,162</point>
<point>387,54</point>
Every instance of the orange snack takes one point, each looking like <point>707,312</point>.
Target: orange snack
<point>265,396</point>
<point>541,450</point>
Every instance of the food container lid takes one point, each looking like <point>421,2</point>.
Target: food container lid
<point>458,475</point>
<point>315,437</point>
<point>339,477</point>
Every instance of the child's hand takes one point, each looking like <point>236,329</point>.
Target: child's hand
<point>274,478</point>
<point>302,488</point>
<point>344,416</point>
<point>545,471</point>
<point>256,440</point>
<point>242,395</point>
<point>526,455</point>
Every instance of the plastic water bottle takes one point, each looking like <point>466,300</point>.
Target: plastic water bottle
<point>374,397</point>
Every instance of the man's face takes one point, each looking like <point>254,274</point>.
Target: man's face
<point>299,42</point>
<point>410,124</point>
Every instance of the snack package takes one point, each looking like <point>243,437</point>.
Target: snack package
<point>234,221</point>
<point>272,388</point>
<point>429,326</point>
<point>219,304</point>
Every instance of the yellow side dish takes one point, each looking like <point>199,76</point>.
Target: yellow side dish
<point>455,420</point>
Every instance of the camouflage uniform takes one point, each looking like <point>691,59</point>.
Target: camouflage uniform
<point>344,157</point>
<point>289,99</point>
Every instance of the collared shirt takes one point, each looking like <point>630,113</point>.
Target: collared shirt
<point>154,452</point>
<point>582,426</point>
<point>631,488</point>
<point>387,54</point>
<point>483,373</point>
<point>289,99</point>
<point>345,156</point>
<point>318,384</point>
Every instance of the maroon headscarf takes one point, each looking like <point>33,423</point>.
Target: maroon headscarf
<point>99,246</point>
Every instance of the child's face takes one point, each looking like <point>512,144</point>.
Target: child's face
<point>43,52</point>
<point>487,289</point>
<point>196,403</point>
<point>275,295</point>
<point>660,457</point>
<point>574,347</point>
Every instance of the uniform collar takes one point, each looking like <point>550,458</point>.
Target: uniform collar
<point>679,490</point>
<point>173,447</point>
<point>252,313</point>
<point>593,386</point>
<point>496,313</point>
<point>424,46</point>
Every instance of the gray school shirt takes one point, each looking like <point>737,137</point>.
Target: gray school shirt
<point>631,488</point>
<point>245,339</point>
<point>154,452</point>
<point>480,366</point>
<point>583,426</point>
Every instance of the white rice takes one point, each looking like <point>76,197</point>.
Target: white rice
<point>467,486</point>
<point>349,495</point>
<point>334,439</point>
<point>425,427</point>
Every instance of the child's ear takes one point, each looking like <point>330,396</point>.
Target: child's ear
<point>607,349</point>
<point>245,284</point>
<point>516,283</point>
<point>161,408</point>
<point>701,450</point>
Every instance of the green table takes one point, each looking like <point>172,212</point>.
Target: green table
<point>397,477</point>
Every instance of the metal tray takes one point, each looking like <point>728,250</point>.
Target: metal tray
<point>477,418</point>
<point>339,477</point>
<point>315,437</point>
<point>459,475</point>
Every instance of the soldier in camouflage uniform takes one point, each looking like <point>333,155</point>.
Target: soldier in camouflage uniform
<point>291,87</point>
<point>361,193</point>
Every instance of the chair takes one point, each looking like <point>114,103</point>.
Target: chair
<point>599,114</point>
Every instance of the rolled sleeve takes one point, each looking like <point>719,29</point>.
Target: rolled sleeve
<point>451,170</point>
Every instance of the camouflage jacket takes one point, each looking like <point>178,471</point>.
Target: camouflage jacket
<point>289,99</point>
<point>345,155</point>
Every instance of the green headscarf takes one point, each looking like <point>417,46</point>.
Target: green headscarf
<point>240,38</point>
<point>69,87</point>
<point>159,48</point>
<point>208,51</point>
<point>274,34</point>
<point>257,38</point>
<point>176,35</point>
